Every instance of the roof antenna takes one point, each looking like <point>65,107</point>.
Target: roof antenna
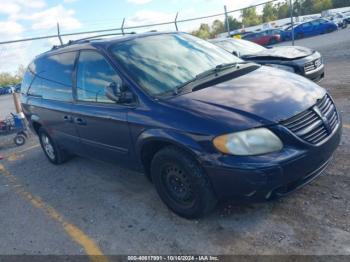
<point>122,28</point>
<point>175,21</point>
<point>59,34</point>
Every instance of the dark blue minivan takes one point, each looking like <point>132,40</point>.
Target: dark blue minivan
<point>201,124</point>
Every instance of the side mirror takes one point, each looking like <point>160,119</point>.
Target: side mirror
<point>118,93</point>
<point>113,91</point>
<point>236,53</point>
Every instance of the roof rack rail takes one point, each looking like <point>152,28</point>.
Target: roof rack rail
<point>87,39</point>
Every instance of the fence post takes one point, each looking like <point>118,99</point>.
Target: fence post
<point>122,27</point>
<point>227,24</point>
<point>59,34</point>
<point>291,19</point>
<point>175,22</point>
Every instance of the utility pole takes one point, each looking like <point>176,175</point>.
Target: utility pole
<point>227,24</point>
<point>291,19</point>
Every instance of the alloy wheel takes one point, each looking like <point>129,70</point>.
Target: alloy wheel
<point>48,147</point>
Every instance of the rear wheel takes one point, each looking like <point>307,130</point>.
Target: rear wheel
<point>329,30</point>
<point>299,36</point>
<point>181,183</point>
<point>52,151</point>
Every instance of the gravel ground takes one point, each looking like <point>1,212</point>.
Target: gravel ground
<point>121,212</point>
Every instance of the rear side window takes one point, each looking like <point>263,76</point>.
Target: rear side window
<point>35,88</point>
<point>26,82</point>
<point>94,74</point>
<point>55,72</point>
<point>56,68</point>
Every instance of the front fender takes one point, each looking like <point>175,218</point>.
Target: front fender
<point>184,141</point>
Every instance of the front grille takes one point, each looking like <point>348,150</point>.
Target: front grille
<point>313,65</point>
<point>315,124</point>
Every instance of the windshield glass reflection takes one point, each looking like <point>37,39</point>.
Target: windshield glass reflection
<point>160,63</point>
<point>242,46</point>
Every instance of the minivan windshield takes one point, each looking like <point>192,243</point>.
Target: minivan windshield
<point>244,47</point>
<point>161,63</point>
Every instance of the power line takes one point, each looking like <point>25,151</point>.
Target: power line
<point>175,22</point>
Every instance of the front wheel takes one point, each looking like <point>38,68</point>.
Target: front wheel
<point>181,183</point>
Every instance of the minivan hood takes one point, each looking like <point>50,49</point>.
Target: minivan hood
<point>283,52</point>
<point>265,95</point>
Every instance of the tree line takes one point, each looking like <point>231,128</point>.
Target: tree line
<point>270,12</point>
<point>7,79</point>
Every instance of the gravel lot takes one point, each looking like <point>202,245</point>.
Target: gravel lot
<point>120,212</point>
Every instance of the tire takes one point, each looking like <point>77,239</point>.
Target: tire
<point>19,140</point>
<point>52,151</point>
<point>273,41</point>
<point>181,183</point>
<point>299,36</point>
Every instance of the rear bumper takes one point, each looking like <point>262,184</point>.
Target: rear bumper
<point>265,177</point>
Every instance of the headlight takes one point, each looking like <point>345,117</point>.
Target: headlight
<point>282,67</point>
<point>250,142</point>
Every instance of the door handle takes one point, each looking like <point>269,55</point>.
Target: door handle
<point>79,121</point>
<point>67,118</point>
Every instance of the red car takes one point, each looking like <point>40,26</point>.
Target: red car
<point>268,37</point>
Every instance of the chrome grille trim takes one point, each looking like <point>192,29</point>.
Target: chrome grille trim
<point>315,124</point>
<point>313,65</point>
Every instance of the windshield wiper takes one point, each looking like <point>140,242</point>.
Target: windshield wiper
<point>206,73</point>
<point>182,87</point>
<point>216,69</point>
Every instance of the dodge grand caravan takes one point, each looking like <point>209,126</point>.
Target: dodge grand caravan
<point>201,124</point>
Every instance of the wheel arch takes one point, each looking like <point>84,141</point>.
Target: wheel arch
<point>36,126</point>
<point>151,141</point>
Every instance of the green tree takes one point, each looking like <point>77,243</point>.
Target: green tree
<point>250,17</point>
<point>297,9</point>
<point>340,3</point>
<point>203,31</point>
<point>6,79</point>
<point>283,10</point>
<point>217,27</point>
<point>12,79</point>
<point>320,5</point>
<point>233,23</point>
<point>307,7</point>
<point>20,73</point>
<point>269,13</point>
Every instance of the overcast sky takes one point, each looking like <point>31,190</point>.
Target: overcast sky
<point>29,18</point>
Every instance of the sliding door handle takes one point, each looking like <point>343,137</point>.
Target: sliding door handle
<point>67,119</point>
<point>79,121</point>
